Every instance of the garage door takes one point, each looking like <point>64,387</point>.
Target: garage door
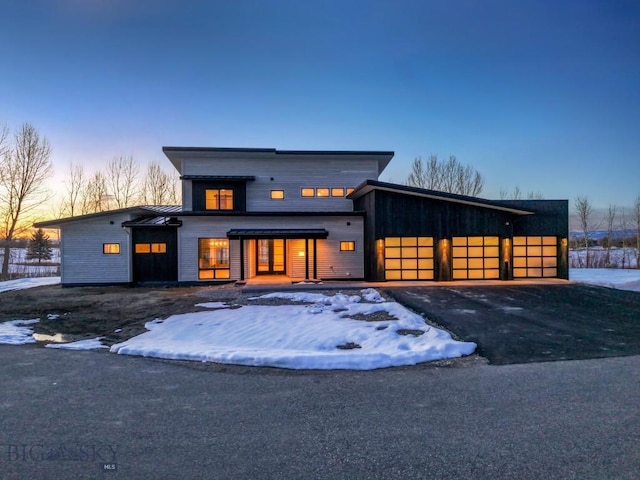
<point>476,258</point>
<point>408,258</point>
<point>535,257</point>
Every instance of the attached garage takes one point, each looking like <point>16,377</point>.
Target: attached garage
<point>418,234</point>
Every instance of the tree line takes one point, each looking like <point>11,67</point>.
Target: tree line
<point>615,219</point>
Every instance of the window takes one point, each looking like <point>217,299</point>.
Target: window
<point>348,246</point>
<point>350,191</point>
<point>151,248</point>
<point>213,259</point>
<point>277,194</point>
<point>111,248</point>
<point>324,192</point>
<point>218,199</point>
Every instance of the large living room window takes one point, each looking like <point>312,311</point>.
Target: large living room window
<point>218,199</point>
<point>213,258</point>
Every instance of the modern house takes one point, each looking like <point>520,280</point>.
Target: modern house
<point>310,215</point>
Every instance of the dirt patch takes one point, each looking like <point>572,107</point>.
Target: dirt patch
<point>100,311</point>
<point>381,316</point>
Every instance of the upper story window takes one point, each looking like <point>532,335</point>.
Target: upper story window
<point>111,248</point>
<point>324,192</point>
<point>218,199</point>
<point>277,194</point>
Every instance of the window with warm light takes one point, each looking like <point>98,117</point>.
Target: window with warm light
<point>277,194</point>
<point>150,248</point>
<point>307,192</point>
<point>348,246</point>
<point>350,191</point>
<point>219,199</point>
<point>111,248</point>
<point>337,192</point>
<point>322,192</point>
<point>213,259</point>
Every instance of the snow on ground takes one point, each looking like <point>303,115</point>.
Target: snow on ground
<point>89,344</point>
<point>316,334</point>
<point>15,333</point>
<point>607,277</point>
<point>23,283</point>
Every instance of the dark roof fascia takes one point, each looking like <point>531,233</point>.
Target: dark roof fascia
<point>276,151</point>
<point>370,185</point>
<point>289,233</point>
<point>226,178</point>
<point>169,222</point>
<point>358,213</point>
<point>79,218</point>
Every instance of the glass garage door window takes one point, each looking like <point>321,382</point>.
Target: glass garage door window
<point>408,258</point>
<point>476,258</point>
<point>535,257</point>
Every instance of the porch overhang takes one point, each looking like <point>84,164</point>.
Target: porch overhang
<point>271,233</point>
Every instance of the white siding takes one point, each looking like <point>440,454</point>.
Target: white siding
<point>81,251</point>
<point>331,263</point>
<point>290,174</point>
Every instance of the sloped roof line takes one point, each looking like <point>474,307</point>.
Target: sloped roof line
<point>142,209</point>
<point>369,185</point>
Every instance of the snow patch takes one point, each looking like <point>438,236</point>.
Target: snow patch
<point>14,333</point>
<point>89,344</point>
<point>298,336</point>
<point>23,283</point>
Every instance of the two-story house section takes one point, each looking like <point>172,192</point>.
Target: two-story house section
<point>250,212</point>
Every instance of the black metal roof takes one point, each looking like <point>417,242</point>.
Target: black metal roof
<point>289,233</point>
<point>168,210</point>
<point>370,185</point>
<point>153,222</point>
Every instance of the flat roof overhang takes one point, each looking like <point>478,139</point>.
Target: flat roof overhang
<point>271,233</point>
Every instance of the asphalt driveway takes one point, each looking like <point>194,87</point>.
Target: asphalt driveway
<point>533,323</point>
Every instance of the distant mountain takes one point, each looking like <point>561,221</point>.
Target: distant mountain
<point>600,234</point>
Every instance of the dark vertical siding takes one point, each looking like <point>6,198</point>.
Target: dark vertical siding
<point>397,214</point>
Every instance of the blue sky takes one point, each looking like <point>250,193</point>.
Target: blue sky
<point>540,94</point>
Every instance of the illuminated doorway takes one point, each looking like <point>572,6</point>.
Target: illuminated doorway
<point>270,256</point>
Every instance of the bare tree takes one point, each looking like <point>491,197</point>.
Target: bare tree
<point>121,179</point>
<point>611,218</point>
<point>95,196</point>
<point>636,218</point>
<point>584,211</point>
<point>516,194</point>
<point>24,169</point>
<point>446,176</point>
<point>75,186</point>
<point>156,185</point>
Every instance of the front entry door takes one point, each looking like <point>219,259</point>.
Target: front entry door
<point>271,256</point>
